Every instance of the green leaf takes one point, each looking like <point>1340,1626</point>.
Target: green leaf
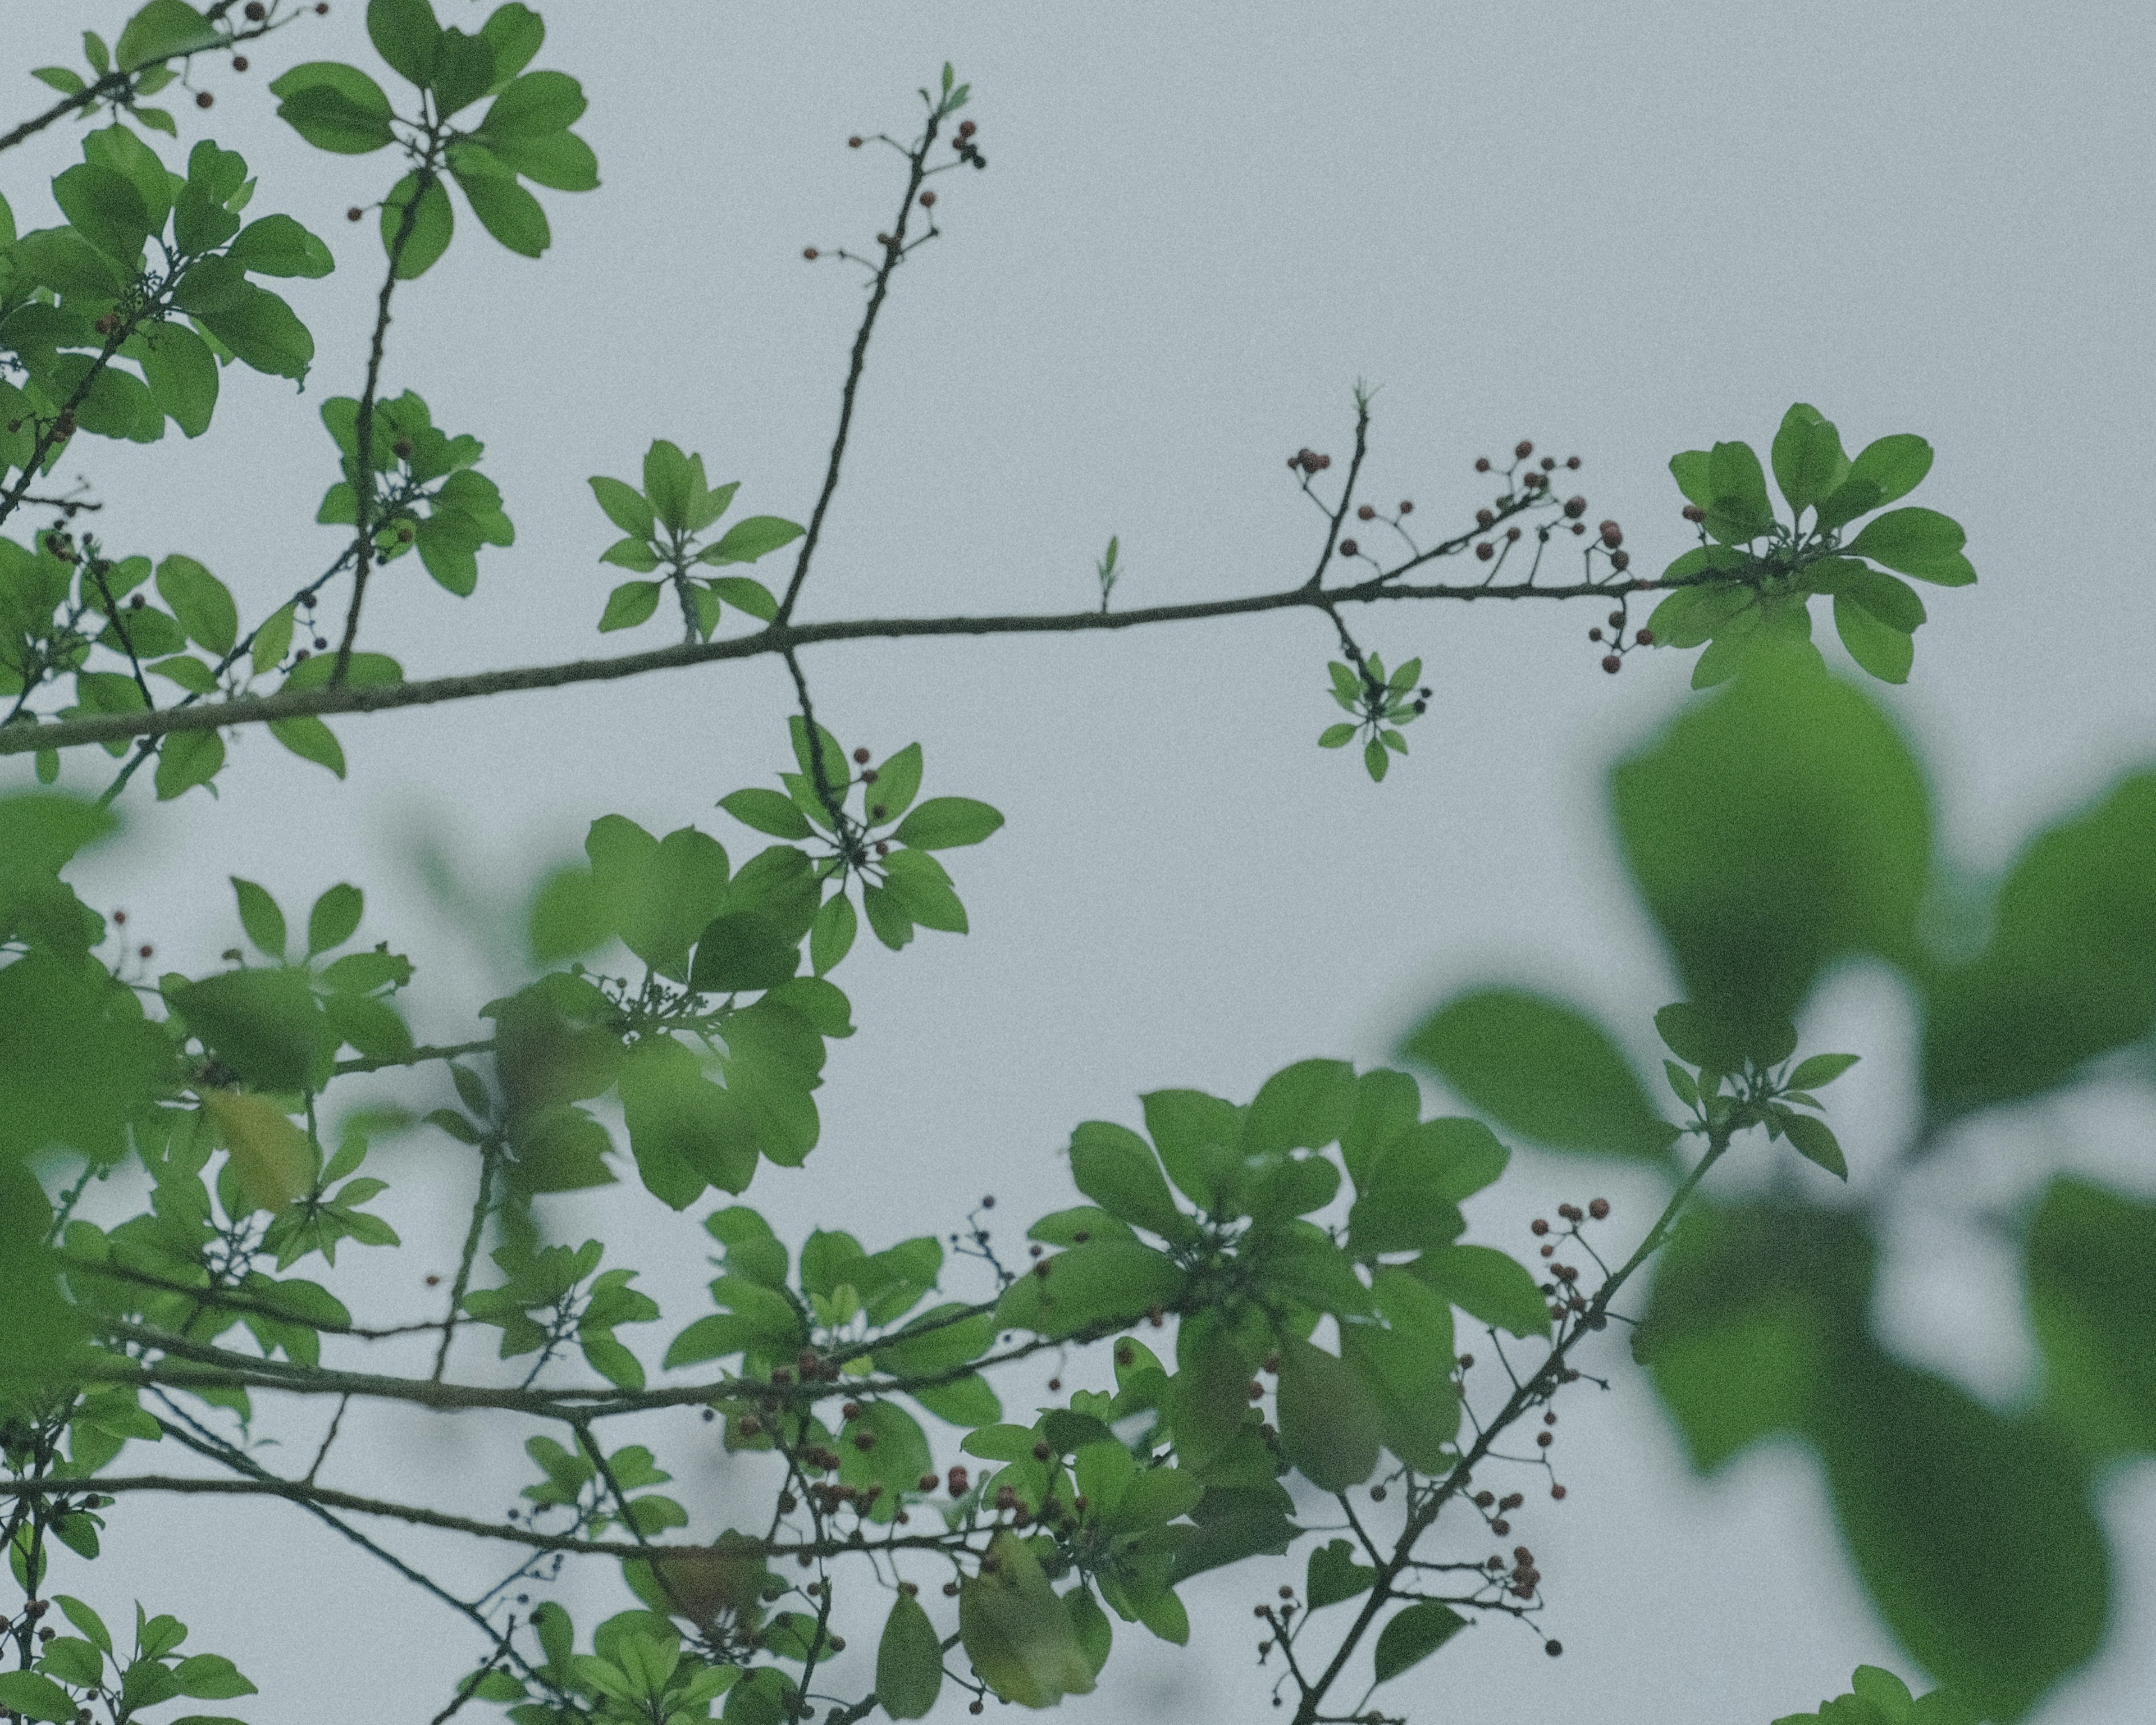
<point>334,107</point>
<point>185,759</point>
<point>311,740</point>
<point>831,935</point>
<point>2069,972</point>
<point>744,595</point>
<point>1304,1106</point>
<point>1089,1287</point>
<point>1542,1070</point>
<point>1485,1283</point>
<point>897,782</point>
<point>182,375</point>
<point>334,919</point>
<point>537,103</point>
<point>631,554</point>
<point>923,890</point>
<point>36,1698</point>
<point>1876,645</point>
<point>1328,1423</point>
<point>1815,1143</point>
<point>1911,540</point>
<point>1738,508</point>
<point>1772,831</point>
<point>1336,737</point>
<point>945,823</point>
<point>278,245</point>
<point>909,1661</point>
<point>767,811</point>
<point>434,224</point>
<point>1375,760</point>
<point>750,538</point>
<point>1413,1634</point>
<point>630,603</point>
<point>1808,462</point>
<point>211,1676</point>
<point>2091,1279</point>
<point>511,215</point>
<point>405,33</point>
<point>626,506</point>
<point>743,951</point>
<point>1117,1170</point>
<point>670,482</point>
<point>202,602</point>
<point>161,30</point>
<point>104,208</point>
<point>1334,1575</point>
<point>1889,468</point>
<point>1816,1072</point>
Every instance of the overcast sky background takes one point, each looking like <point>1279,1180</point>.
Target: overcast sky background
<point>1619,230</point>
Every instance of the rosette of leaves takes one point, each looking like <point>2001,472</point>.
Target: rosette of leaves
<point>1380,704</point>
<point>152,268</point>
<point>555,1294</point>
<point>664,524</point>
<point>134,66</point>
<point>72,1671</point>
<point>524,135</point>
<point>426,467</point>
<point>1749,582</point>
<point>277,1028</point>
<point>886,847</point>
<point>1254,1277</point>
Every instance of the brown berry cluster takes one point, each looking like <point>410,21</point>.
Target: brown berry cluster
<point>1308,462</point>
<point>969,152</point>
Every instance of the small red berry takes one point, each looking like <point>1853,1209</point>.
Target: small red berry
<point>1525,450</point>
<point>1613,536</point>
<point>1616,621</point>
<point>1407,506</point>
<point>1572,461</point>
<point>928,200</point>
<point>1544,1439</point>
<point>1578,528</point>
<point>1466,1362</point>
<point>1693,512</point>
<point>1501,1528</point>
<point>321,8</point>
<point>1538,1226</point>
<point>1365,513</point>
<point>853,143</point>
<point>1558,1493</point>
<point>203,98</point>
<point>145,951</point>
<point>1621,560</point>
<point>1613,665</point>
<point>1484,517</point>
<point>1593,635</point>
<point>860,757</point>
<point>1512,533</point>
<point>810,253</point>
<point>1481,464</point>
<point>1600,1207</point>
<point>1348,548</point>
<point>353,214</point>
<point>1549,464</point>
<point>256,12</point>
<point>240,63</point>
<point>957,1480</point>
<point>1486,551</point>
<point>1554,1648</point>
<point>966,128</point>
<point>1574,507</point>
<point>750,1425</point>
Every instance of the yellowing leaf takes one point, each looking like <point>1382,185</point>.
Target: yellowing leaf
<point>1016,1630</point>
<point>271,1154</point>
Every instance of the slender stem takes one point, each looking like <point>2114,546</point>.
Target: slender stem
<point>487,1158</point>
<point>362,467</point>
<point>894,255</point>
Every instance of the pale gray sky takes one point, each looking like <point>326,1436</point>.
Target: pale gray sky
<point>1620,230</point>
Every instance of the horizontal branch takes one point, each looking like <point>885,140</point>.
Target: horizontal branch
<point>257,709</point>
<point>327,1497</point>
